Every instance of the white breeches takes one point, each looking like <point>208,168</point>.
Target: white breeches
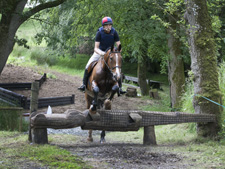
<point>93,58</point>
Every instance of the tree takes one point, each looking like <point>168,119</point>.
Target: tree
<point>143,39</point>
<point>203,64</point>
<point>175,63</point>
<point>176,47</point>
<point>13,14</point>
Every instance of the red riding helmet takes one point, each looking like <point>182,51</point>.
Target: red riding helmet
<point>107,21</point>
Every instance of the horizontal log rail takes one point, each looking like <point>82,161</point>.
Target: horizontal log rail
<point>53,101</point>
<point>15,99</point>
<point>117,120</point>
<point>110,120</point>
<point>12,98</point>
<point>22,86</point>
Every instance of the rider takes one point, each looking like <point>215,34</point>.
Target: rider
<point>105,38</point>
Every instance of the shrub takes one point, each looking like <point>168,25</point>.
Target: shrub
<point>9,119</point>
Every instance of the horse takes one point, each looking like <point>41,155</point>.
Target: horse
<point>103,79</point>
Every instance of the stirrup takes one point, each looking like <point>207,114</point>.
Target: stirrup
<point>122,92</point>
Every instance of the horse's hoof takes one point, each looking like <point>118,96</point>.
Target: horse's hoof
<point>90,139</point>
<point>91,110</point>
<point>102,141</point>
<point>108,104</point>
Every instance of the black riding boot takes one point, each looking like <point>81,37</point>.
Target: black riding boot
<point>120,85</point>
<point>85,79</point>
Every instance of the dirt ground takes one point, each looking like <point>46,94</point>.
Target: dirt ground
<point>111,154</point>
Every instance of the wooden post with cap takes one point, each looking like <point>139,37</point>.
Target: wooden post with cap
<point>33,133</point>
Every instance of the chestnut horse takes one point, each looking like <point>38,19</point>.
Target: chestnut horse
<point>103,80</point>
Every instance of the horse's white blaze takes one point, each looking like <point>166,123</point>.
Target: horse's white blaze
<point>117,66</point>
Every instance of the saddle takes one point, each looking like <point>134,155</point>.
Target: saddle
<point>91,66</point>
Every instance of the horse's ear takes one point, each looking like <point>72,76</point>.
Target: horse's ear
<point>112,47</point>
<point>119,48</point>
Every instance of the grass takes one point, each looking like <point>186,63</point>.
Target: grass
<point>15,149</point>
<point>175,139</point>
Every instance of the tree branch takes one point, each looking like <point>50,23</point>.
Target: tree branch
<point>41,7</point>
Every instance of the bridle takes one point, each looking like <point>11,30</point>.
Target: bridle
<point>111,69</point>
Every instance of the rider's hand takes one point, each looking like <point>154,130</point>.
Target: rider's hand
<point>102,53</point>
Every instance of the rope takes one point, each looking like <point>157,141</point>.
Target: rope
<point>210,100</point>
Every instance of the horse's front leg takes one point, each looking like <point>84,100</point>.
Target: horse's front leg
<point>102,140</point>
<point>94,104</point>
<point>115,89</point>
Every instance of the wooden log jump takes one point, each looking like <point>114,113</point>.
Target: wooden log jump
<point>115,120</point>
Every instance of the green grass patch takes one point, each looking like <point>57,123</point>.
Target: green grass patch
<point>161,105</point>
<point>53,156</point>
<point>16,151</point>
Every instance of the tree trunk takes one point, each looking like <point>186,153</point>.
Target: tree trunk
<point>9,24</point>
<point>142,70</point>
<point>175,65</point>
<point>203,65</point>
<point>12,16</point>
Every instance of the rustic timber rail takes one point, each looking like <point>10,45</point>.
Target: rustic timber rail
<point>22,86</point>
<point>53,101</point>
<point>151,83</point>
<point>15,99</point>
<point>111,120</point>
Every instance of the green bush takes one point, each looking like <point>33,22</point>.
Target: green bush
<point>9,119</point>
<point>39,56</point>
<point>74,63</point>
<point>187,98</point>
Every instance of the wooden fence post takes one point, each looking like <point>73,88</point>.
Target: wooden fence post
<point>36,135</point>
<point>149,135</point>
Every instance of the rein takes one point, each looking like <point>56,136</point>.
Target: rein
<point>110,69</point>
<point>108,65</point>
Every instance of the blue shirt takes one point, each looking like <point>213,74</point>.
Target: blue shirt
<point>106,39</point>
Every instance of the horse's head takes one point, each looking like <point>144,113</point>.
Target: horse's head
<point>113,61</point>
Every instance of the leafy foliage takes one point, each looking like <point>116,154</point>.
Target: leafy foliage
<point>76,23</point>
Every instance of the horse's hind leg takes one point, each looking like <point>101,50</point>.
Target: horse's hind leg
<point>90,138</point>
<point>102,140</point>
<point>89,100</point>
<point>108,106</point>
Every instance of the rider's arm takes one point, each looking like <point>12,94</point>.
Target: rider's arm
<point>117,39</point>
<point>118,43</point>
<point>97,50</point>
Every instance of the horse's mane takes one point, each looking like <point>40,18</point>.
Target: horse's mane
<point>107,49</point>
<point>116,49</point>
